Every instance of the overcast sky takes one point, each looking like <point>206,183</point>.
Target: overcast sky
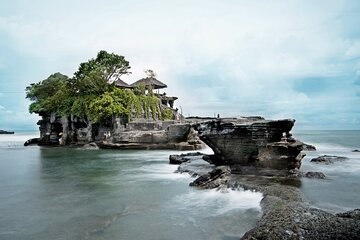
<point>277,59</point>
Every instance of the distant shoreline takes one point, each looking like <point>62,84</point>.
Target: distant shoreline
<point>6,132</point>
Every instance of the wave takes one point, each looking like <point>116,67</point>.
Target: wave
<point>214,202</point>
<point>330,147</point>
<point>154,172</point>
<point>15,140</point>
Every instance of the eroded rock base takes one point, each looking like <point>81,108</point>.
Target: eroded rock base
<point>286,213</point>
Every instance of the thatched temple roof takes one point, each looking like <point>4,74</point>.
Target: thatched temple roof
<point>122,84</point>
<point>156,84</point>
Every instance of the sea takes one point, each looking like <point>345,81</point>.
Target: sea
<point>69,193</point>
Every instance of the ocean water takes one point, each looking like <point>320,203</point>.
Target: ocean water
<point>61,193</point>
<point>340,191</point>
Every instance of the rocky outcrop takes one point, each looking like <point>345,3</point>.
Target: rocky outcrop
<point>287,216</point>
<point>252,142</point>
<point>178,159</point>
<point>90,146</point>
<point>6,132</point>
<point>118,133</point>
<point>326,159</point>
<point>215,178</point>
<point>318,175</point>
<point>192,163</point>
<point>285,212</point>
<point>308,147</point>
<point>354,214</point>
<point>32,141</point>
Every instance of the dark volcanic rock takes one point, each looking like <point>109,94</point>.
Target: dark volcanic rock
<point>195,167</point>
<point>91,146</point>
<point>354,214</point>
<point>31,141</point>
<point>286,214</point>
<point>213,179</point>
<point>177,159</point>
<point>356,150</point>
<point>252,142</point>
<point>6,132</point>
<point>294,221</point>
<point>308,147</point>
<point>318,175</point>
<point>326,159</point>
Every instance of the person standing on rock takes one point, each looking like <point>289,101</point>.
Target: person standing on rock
<point>61,140</point>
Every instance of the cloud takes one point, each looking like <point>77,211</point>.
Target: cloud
<point>354,50</point>
<point>236,57</point>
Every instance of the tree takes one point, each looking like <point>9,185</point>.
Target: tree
<point>111,66</point>
<point>150,73</point>
<point>94,76</point>
<point>107,105</point>
<point>89,94</point>
<point>44,92</point>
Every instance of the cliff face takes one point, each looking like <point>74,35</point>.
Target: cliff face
<point>118,133</point>
<point>252,142</point>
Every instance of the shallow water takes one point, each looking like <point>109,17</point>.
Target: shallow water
<point>341,190</point>
<point>60,193</point>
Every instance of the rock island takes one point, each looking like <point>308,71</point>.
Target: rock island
<point>96,106</point>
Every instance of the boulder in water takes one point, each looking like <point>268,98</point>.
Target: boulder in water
<point>252,141</point>
<point>6,132</point>
<point>327,159</point>
<point>32,141</point>
<point>91,146</point>
<point>177,159</point>
<point>318,175</point>
<point>353,214</point>
<point>308,147</point>
<point>213,179</point>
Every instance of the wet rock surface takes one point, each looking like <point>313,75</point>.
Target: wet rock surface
<point>215,178</point>
<point>327,159</point>
<point>252,141</point>
<point>31,141</point>
<point>91,146</point>
<point>354,214</point>
<point>182,146</point>
<point>178,159</point>
<point>286,213</point>
<point>6,132</point>
<point>355,150</point>
<point>318,175</point>
<point>308,147</point>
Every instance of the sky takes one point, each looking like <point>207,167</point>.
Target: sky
<point>276,59</point>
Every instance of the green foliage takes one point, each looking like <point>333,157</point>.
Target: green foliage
<point>150,73</point>
<point>45,93</point>
<point>45,88</point>
<point>154,105</point>
<point>140,89</point>
<point>167,114</point>
<point>106,106</point>
<point>91,84</point>
<point>110,65</point>
<point>89,95</point>
<point>134,104</point>
<point>81,106</point>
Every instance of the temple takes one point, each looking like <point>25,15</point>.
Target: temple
<point>153,84</point>
<point>145,131</point>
